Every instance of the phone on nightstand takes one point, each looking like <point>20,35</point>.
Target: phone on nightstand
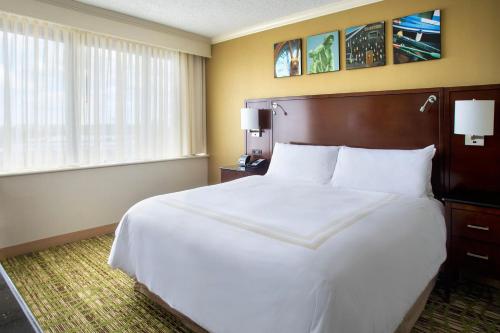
<point>257,163</point>
<point>244,160</point>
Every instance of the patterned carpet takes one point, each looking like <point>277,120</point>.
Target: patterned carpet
<point>70,288</point>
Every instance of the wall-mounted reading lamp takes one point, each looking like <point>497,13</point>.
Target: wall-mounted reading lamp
<point>474,119</point>
<point>250,121</point>
<point>275,107</point>
<point>430,100</point>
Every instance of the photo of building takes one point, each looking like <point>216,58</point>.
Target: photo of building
<point>365,45</point>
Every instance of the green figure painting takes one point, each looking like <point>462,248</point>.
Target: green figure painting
<point>323,53</point>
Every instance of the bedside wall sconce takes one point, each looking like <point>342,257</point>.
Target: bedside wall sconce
<point>430,100</point>
<point>275,107</point>
<point>250,121</point>
<point>474,119</point>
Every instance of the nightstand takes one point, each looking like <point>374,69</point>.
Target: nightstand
<point>228,173</point>
<point>473,220</point>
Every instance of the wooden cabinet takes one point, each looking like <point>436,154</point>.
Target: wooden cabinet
<point>233,172</point>
<point>474,235</point>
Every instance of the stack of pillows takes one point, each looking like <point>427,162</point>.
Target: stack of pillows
<point>406,172</point>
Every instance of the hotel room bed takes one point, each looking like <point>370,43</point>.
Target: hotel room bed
<point>264,254</point>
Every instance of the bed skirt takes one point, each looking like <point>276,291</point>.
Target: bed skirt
<point>406,325</point>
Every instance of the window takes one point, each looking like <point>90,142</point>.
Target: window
<point>71,98</point>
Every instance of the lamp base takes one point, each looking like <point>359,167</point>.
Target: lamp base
<point>474,140</point>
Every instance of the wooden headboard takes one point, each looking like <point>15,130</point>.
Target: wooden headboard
<point>388,119</point>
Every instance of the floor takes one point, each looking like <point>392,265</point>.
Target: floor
<point>71,288</point>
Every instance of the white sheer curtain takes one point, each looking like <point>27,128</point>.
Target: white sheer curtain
<point>73,98</point>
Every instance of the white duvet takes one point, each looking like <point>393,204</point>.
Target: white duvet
<point>263,255</point>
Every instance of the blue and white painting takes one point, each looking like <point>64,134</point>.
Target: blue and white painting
<point>417,37</point>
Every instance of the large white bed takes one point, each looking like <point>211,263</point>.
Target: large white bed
<point>266,254</point>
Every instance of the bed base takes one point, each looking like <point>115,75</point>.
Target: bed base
<point>416,310</point>
<point>180,316</point>
<point>406,325</point>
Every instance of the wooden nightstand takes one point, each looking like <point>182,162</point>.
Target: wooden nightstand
<point>228,173</point>
<point>473,221</point>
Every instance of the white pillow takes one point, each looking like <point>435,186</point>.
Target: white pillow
<point>303,162</point>
<point>405,172</point>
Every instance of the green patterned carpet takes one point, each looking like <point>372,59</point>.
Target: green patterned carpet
<point>70,288</point>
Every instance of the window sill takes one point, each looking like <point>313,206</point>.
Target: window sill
<point>23,173</point>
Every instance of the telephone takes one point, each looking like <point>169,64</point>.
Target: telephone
<point>244,161</point>
<point>257,163</point>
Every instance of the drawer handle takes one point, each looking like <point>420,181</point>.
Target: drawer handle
<point>478,256</point>
<point>478,227</point>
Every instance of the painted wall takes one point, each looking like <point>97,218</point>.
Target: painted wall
<point>43,205</point>
<point>243,68</point>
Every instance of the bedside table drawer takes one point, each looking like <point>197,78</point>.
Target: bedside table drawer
<point>478,257</point>
<point>228,175</point>
<point>234,172</point>
<point>476,225</point>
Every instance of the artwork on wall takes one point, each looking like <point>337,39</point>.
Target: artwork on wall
<point>365,45</point>
<point>323,53</point>
<point>417,37</point>
<point>287,58</point>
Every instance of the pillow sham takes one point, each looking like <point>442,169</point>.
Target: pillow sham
<point>405,172</point>
<point>303,162</point>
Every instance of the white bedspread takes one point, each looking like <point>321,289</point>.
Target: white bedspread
<point>262,255</point>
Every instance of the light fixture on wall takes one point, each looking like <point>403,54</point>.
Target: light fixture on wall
<point>430,100</point>
<point>474,119</point>
<point>275,107</point>
<point>250,121</point>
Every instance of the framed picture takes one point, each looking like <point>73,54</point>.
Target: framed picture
<point>417,37</point>
<point>365,45</point>
<point>288,58</point>
<point>323,53</point>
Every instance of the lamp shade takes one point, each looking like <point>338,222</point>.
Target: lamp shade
<point>474,117</point>
<point>249,119</point>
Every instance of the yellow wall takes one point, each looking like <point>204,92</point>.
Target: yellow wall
<point>243,68</point>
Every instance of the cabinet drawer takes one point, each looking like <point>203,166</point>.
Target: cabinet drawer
<point>476,225</point>
<point>228,175</point>
<point>476,256</point>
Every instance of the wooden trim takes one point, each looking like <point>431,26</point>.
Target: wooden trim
<point>45,243</point>
<point>346,94</point>
<point>494,86</point>
<point>378,92</point>
<point>475,208</point>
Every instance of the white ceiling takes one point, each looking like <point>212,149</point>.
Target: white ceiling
<point>225,19</point>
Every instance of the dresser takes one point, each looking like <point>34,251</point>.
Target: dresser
<point>473,221</point>
<point>228,173</point>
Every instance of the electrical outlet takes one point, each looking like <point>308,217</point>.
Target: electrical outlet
<point>257,152</point>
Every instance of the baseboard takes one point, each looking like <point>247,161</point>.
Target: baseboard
<point>45,243</point>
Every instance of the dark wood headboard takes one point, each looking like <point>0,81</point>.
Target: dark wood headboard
<point>386,119</point>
